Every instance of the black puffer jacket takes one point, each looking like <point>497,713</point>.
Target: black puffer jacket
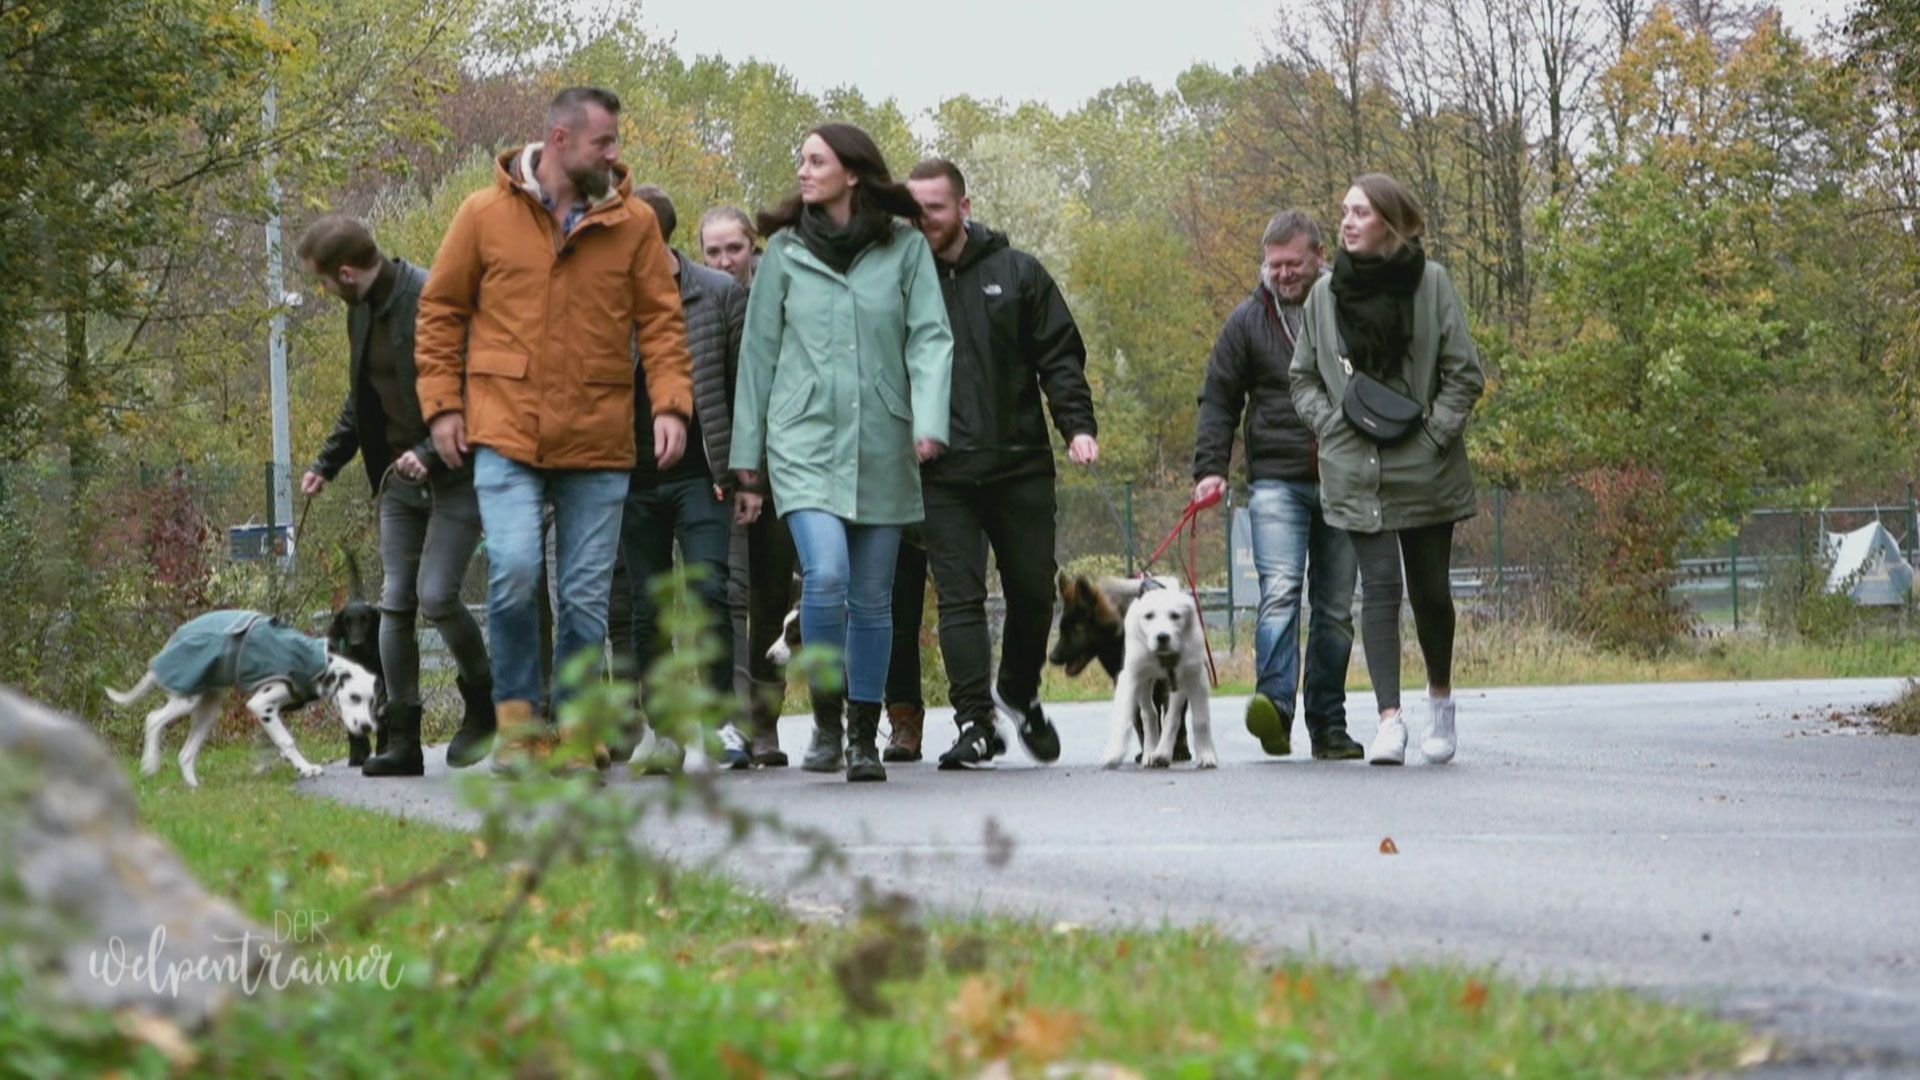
<point>1248,373</point>
<point>715,308</point>
<point>1012,338</point>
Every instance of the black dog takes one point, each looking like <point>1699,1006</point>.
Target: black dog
<point>354,633</point>
<point>1093,627</point>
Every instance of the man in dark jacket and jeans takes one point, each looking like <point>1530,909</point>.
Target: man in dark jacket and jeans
<point>1291,538</point>
<point>1013,337</point>
<point>429,517</point>
<point>689,501</point>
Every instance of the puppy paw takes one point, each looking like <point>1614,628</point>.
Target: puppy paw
<point>1159,761</point>
<point>1207,761</point>
<point>1112,762</point>
<point>311,771</point>
<point>148,768</point>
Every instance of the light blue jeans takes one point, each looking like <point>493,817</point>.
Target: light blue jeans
<point>1292,545</point>
<point>846,594</point>
<point>586,505</point>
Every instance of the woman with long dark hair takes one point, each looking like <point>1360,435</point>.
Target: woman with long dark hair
<point>842,392</point>
<point>1386,374</point>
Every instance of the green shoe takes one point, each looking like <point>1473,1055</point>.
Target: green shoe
<point>1268,724</point>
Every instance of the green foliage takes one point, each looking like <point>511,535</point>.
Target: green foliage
<point>727,983</point>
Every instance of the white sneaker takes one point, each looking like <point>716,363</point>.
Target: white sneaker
<point>1440,742</point>
<point>1389,743</point>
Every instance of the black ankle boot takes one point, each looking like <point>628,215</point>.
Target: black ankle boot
<point>863,729</point>
<point>824,755</point>
<point>475,737</point>
<point>402,755</point>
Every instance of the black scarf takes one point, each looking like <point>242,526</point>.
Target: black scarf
<point>1373,306</point>
<point>839,245</point>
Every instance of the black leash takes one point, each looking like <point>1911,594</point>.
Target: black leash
<point>293,546</point>
<point>1119,520</point>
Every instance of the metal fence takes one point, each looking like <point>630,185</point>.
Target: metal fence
<point>114,538</point>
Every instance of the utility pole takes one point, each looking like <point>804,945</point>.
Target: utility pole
<point>277,332</point>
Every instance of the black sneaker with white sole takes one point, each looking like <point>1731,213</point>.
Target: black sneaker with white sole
<point>1037,735</point>
<point>976,748</point>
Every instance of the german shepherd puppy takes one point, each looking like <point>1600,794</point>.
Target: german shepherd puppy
<point>1093,627</point>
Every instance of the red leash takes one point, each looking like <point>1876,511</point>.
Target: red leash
<point>1190,524</point>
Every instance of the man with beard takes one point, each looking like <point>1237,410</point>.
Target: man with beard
<point>546,285</point>
<point>429,520</point>
<point>1291,537</point>
<point>1013,339</point>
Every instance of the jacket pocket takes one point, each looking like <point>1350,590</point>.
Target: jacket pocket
<point>791,402</point>
<point>1433,444</point>
<point>892,399</point>
<point>607,371</point>
<point>501,365</point>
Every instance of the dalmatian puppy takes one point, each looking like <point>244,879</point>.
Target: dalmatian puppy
<point>278,668</point>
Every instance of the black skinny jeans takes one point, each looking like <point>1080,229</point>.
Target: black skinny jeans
<point>1428,553</point>
<point>1015,519</point>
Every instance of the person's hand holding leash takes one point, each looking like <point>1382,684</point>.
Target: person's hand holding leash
<point>1209,487</point>
<point>1083,450</point>
<point>928,449</point>
<point>450,437</point>
<point>410,466</point>
<point>311,483</point>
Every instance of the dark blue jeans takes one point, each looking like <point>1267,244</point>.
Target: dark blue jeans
<point>1292,545</point>
<point>656,516</point>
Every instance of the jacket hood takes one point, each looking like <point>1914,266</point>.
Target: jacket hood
<point>981,243</point>
<point>513,170</point>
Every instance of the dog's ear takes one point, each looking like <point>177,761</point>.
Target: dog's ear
<point>1065,587</point>
<point>1103,605</point>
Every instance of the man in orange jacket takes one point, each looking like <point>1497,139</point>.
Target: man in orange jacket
<point>545,286</point>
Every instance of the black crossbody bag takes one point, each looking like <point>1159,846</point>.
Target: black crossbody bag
<point>1378,412</point>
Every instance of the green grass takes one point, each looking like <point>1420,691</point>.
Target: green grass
<point>708,980</point>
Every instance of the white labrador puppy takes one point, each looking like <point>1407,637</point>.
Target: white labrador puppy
<point>1164,645</point>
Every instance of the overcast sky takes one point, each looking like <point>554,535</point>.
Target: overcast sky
<point>1058,51</point>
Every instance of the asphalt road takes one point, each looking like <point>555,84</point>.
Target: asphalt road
<point>1728,844</point>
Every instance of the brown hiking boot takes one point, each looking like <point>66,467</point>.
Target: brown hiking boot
<point>905,724</point>
<point>524,740</point>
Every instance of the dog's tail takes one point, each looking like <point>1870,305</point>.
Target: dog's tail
<point>128,697</point>
<point>356,589</point>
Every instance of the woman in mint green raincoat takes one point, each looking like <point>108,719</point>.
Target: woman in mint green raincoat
<point>842,393</point>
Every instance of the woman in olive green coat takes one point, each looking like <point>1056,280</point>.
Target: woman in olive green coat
<point>844,371</point>
<point>1390,312</point>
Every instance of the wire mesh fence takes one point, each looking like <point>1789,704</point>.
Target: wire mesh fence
<point>96,570</point>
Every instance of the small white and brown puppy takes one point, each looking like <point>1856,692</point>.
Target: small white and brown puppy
<point>279,669</point>
<point>1164,646</point>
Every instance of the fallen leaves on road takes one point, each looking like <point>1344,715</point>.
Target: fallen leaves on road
<point>1474,997</point>
<point>1388,847</point>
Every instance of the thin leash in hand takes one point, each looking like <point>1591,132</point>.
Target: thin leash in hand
<point>1119,522</point>
<point>293,545</point>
